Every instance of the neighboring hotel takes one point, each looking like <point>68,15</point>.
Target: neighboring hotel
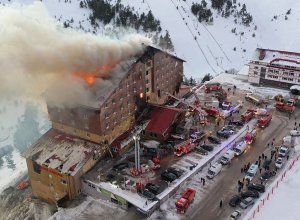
<point>275,68</point>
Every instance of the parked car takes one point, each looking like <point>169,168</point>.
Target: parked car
<point>283,151</point>
<point>230,128</point>
<point>250,193</point>
<point>168,177</point>
<point>279,162</point>
<point>202,151</point>
<point>267,163</point>
<point>149,195</point>
<point>152,188</point>
<point>120,166</point>
<point>176,172</point>
<point>214,140</point>
<point>235,215</point>
<point>245,203</point>
<point>266,175</point>
<point>235,200</point>
<point>223,133</point>
<point>258,187</point>
<point>237,123</point>
<point>207,147</point>
<point>110,177</point>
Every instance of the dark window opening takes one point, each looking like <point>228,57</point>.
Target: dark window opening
<point>37,168</point>
<point>158,93</point>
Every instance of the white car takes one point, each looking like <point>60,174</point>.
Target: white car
<point>283,151</point>
<point>294,133</point>
<point>279,162</point>
<point>235,215</point>
<point>178,136</point>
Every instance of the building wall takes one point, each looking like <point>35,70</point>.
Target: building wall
<point>151,77</point>
<point>51,185</point>
<point>274,75</point>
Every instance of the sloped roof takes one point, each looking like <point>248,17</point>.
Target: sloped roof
<point>60,151</point>
<point>161,119</point>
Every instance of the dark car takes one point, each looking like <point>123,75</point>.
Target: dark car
<point>223,133</point>
<point>147,194</point>
<point>207,147</point>
<point>120,166</point>
<point>258,187</point>
<point>110,177</point>
<point>235,200</point>
<point>266,175</point>
<point>175,171</point>
<point>152,188</point>
<point>267,163</point>
<point>168,177</point>
<point>202,151</point>
<point>214,140</point>
<point>230,128</point>
<point>250,193</point>
<point>237,123</point>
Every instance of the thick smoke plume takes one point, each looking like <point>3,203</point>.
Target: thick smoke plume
<point>37,54</point>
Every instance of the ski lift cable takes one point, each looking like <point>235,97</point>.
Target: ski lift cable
<point>194,36</point>
<point>211,35</point>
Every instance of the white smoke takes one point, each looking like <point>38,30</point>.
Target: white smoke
<point>38,54</point>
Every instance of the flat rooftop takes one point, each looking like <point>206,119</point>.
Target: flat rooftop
<point>62,152</point>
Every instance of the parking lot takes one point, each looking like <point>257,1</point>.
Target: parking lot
<point>222,187</point>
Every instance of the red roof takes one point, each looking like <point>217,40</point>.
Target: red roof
<point>161,119</point>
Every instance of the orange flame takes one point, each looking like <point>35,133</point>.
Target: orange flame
<point>91,77</point>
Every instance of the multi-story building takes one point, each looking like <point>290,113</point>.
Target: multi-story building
<point>86,131</point>
<point>275,68</point>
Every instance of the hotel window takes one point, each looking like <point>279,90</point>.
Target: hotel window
<point>106,105</point>
<point>85,116</point>
<point>113,101</point>
<point>106,115</point>
<point>88,135</point>
<point>63,182</point>
<point>147,89</point>
<point>107,126</point>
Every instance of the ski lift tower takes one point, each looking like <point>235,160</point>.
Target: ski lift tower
<point>137,167</point>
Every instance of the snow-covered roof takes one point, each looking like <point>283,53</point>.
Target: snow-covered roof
<point>277,57</point>
<point>296,87</point>
<point>59,151</point>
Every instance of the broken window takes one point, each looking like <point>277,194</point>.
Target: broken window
<point>36,167</point>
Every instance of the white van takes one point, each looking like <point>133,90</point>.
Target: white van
<point>240,148</point>
<point>251,172</point>
<point>227,157</point>
<point>214,170</point>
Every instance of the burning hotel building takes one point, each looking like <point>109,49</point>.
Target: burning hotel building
<point>80,136</point>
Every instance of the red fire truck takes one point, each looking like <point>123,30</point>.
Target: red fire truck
<point>212,87</point>
<point>264,120</point>
<point>212,111</point>
<point>247,115</point>
<point>186,198</point>
<point>184,148</point>
<point>281,106</point>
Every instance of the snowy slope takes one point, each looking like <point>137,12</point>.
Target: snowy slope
<point>216,42</point>
<point>212,50</point>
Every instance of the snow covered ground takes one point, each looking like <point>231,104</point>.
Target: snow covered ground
<point>283,203</point>
<point>12,114</point>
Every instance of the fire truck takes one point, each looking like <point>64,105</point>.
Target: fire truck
<point>287,107</point>
<point>212,87</point>
<point>247,115</point>
<point>264,120</point>
<point>184,148</point>
<point>221,95</point>
<point>250,137</point>
<point>186,198</point>
<point>212,111</point>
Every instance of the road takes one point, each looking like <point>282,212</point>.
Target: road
<point>226,187</point>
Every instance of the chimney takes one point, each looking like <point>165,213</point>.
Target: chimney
<point>262,54</point>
